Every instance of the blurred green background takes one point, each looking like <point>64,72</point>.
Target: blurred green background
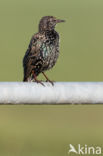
<point>48,130</point>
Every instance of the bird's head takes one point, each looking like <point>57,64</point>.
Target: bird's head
<point>48,23</point>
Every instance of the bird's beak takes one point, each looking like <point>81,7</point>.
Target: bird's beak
<point>59,21</point>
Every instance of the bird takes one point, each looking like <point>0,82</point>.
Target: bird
<point>43,50</point>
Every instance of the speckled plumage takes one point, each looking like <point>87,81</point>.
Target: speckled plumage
<point>43,50</point>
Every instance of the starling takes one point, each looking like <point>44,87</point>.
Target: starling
<point>43,50</point>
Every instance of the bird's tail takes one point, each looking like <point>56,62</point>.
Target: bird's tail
<point>25,79</point>
<point>28,79</point>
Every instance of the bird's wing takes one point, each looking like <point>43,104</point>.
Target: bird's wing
<point>32,54</point>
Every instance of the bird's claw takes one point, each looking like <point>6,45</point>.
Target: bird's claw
<point>50,82</point>
<point>38,81</point>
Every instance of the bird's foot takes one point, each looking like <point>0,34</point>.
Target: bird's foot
<point>47,80</point>
<point>38,81</point>
<point>52,82</point>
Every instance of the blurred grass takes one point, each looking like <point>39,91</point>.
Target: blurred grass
<point>81,37</point>
<point>48,130</point>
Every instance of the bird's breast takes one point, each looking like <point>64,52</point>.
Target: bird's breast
<point>50,53</point>
<point>48,49</point>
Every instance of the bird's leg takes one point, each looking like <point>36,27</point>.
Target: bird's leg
<point>36,80</point>
<point>47,79</point>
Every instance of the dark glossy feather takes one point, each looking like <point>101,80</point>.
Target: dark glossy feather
<point>41,54</point>
<point>43,50</point>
